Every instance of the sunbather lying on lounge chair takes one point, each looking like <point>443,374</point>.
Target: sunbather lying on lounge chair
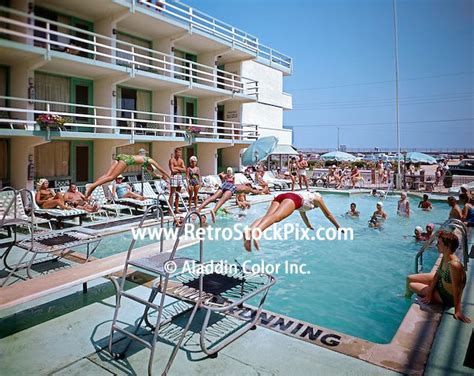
<point>76,199</point>
<point>123,190</point>
<point>120,164</point>
<point>47,199</point>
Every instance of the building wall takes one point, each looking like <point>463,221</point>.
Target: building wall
<point>270,83</point>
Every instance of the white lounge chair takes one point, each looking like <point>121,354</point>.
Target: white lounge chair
<point>10,211</point>
<point>137,204</point>
<point>99,197</point>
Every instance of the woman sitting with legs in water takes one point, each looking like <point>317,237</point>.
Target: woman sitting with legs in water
<point>283,206</point>
<point>120,164</point>
<point>47,199</point>
<point>446,285</point>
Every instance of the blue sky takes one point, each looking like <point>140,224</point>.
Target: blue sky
<point>344,67</point>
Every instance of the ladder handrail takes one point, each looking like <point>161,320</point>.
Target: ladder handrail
<point>456,223</point>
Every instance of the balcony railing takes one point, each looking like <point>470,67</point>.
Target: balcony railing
<point>97,119</point>
<point>56,36</point>
<point>210,25</point>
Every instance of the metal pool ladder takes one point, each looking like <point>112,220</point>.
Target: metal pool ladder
<point>453,223</point>
<point>192,290</point>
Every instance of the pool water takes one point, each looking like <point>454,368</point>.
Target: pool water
<point>356,287</point>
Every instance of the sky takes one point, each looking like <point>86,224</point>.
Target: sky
<point>344,68</point>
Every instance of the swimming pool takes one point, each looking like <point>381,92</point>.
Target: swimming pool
<point>354,287</point>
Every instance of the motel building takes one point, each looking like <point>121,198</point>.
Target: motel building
<point>129,74</point>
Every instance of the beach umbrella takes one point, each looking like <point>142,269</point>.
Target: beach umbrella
<point>259,150</point>
<point>338,156</point>
<point>416,157</point>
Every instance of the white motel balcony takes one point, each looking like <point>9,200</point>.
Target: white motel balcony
<point>160,19</point>
<point>64,49</point>
<point>20,118</point>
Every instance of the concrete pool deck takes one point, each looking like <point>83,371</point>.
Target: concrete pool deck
<point>65,334</point>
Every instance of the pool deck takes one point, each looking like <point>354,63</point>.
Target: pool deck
<point>65,333</point>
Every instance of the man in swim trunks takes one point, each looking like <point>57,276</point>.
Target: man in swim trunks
<point>78,200</point>
<point>177,169</point>
<point>303,165</point>
<point>403,207</point>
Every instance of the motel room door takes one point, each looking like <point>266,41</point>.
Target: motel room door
<point>82,162</point>
<point>82,93</point>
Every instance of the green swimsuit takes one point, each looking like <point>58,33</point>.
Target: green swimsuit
<point>130,160</point>
<point>445,275</point>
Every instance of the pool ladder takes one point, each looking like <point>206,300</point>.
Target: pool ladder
<point>450,223</point>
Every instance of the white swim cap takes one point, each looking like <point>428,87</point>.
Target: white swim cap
<point>419,228</point>
<point>380,203</point>
<point>193,159</point>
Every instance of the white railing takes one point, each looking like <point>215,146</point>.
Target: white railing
<point>97,119</point>
<point>112,50</point>
<point>202,21</point>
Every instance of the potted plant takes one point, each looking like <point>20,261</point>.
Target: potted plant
<point>191,132</point>
<point>50,120</point>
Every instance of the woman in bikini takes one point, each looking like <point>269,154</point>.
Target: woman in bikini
<point>47,199</point>
<point>193,178</point>
<point>283,206</point>
<point>446,285</point>
<point>293,167</point>
<point>120,164</point>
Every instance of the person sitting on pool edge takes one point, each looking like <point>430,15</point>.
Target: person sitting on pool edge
<point>283,206</point>
<point>425,204</point>
<point>446,285</point>
<point>353,212</point>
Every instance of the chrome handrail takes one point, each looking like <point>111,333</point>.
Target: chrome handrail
<point>456,223</point>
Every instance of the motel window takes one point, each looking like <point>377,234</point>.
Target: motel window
<point>52,88</point>
<point>3,159</point>
<point>137,42</point>
<point>133,149</point>
<point>52,160</point>
<point>133,100</point>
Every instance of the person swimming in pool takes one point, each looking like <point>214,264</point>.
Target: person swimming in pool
<point>446,285</point>
<point>120,164</point>
<point>418,234</point>
<point>425,204</point>
<point>353,212</point>
<point>283,206</point>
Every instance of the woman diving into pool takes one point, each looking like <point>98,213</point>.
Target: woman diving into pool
<point>283,206</point>
<point>120,164</point>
